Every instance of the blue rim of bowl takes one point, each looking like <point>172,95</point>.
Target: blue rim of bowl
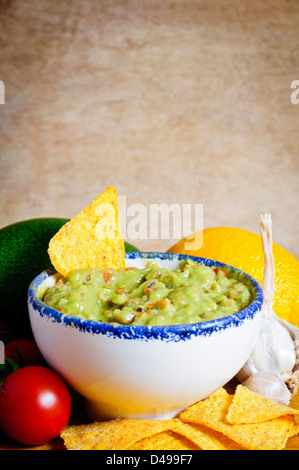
<point>168,333</point>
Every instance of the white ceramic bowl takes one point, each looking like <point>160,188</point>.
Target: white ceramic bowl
<point>141,371</point>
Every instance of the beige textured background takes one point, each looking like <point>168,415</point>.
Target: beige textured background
<point>170,101</point>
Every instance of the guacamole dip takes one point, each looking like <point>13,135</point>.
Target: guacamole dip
<point>150,296</point>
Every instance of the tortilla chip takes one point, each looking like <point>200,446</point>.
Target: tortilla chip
<point>269,435</point>
<point>91,239</point>
<point>116,434</point>
<point>294,431</point>
<point>214,408</point>
<point>80,437</point>
<point>167,440</point>
<point>249,407</point>
<point>203,426</point>
<point>206,438</point>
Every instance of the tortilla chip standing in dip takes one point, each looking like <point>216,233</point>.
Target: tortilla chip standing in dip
<point>92,238</point>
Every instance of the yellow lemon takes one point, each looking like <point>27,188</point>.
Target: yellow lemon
<point>243,249</point>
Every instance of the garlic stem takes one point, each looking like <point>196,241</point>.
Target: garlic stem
<point>269,270</point>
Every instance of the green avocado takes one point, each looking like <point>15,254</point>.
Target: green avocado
<point>23,255</point>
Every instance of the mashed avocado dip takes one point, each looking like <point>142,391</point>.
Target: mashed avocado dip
<point>150,296</point>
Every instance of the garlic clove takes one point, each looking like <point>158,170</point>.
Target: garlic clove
<point>269,386</point>
<point>247,370</point>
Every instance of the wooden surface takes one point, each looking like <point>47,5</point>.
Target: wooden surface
<point>174,101</point>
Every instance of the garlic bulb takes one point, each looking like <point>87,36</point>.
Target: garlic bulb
<point>294,332</point>
<point>274,349</point>
<point>274,352</point>
<point>269,386</point>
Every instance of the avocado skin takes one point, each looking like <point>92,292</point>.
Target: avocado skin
<point>24,255</point>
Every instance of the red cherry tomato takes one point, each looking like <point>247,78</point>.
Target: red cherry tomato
<point>24,352</point>
<point>35,405</point>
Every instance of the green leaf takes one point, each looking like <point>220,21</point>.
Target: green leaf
<point>7,368</point>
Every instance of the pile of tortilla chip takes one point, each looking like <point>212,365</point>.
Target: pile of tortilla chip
<point>92,238</point>
<point>242,421</point>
